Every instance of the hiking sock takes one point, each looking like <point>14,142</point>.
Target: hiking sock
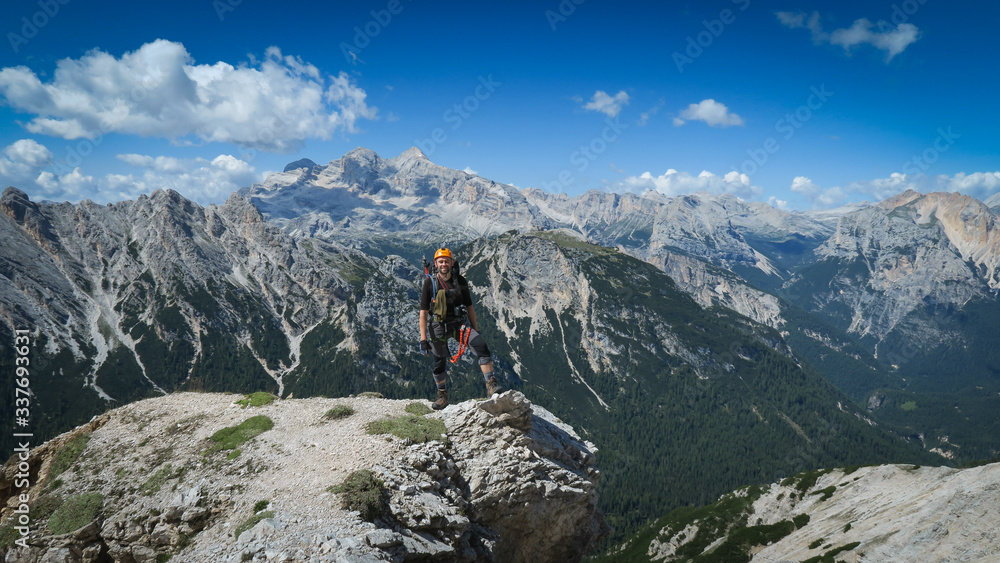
<point>487,375</point>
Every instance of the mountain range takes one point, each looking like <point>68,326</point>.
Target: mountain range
<point>702,342</point>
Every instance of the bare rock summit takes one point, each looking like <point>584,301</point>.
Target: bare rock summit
<point>168,477</point>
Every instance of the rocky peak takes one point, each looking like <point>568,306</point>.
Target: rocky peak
<point>509,483</point>
<point>15,203</point>
<point>362,195</point>
<point>900,199</point>
<point>412,153</point>
<point>971,228</point>
<point>300,163</point>
<point>363,154</point>
<point>241,210</point>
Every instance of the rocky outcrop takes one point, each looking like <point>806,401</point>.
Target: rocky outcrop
<point>508,482</point>
<point>517,472</point>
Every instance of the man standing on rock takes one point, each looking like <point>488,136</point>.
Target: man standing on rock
<point>445,302</point>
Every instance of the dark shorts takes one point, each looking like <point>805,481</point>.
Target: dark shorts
<point>438,337</point>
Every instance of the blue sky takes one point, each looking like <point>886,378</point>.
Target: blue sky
<point>800,104</point>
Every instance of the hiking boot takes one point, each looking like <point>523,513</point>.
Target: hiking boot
<point>442,400</point>
<point>493,387</point>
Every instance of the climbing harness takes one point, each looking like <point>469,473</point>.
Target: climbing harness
<point>463,342</point>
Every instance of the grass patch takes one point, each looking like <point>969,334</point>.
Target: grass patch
<point>233,437</point>
<point>75,513</point>
<point>258,399</point>
<point>416,429</point>
<point>153,484</point>
<point>187,424</point>
<point>418,409</point>
<point>714,522</point>
<point>371,395</point>
<point>362,492</point>
<point>801,520</point>
<point>805,480</point>
<point>339,411</point>
<point>847,527</point>
<point>741,539</point>
<point>261,505</point>
<point>566,240</point>
<point>251,522</point>
<point>909,406</point>
<point>817,543</point>
<point>160,456</point>
<point>8,535</point>
<point>43,508</point>
<point>827,493</point>
<point>68,454</point>
<point>828,557</point>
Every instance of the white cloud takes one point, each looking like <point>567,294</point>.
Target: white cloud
<point>799,20</point>
<point>711,112</point>
<point>816,196</point>
<point>29,152</point>
<point>22,161</point>
<point>778,203</point>
<point>883,188</point>
<point>469,170</point>
<point>197,179</point>
<point>30,166</point>
<point>644,117</point>
<point>979,185</point>
<point>673,183</point>
<point>893,39</point>
<point>274,104</point>
<point>607,105</point>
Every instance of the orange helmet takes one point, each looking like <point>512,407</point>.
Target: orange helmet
<point>443,252</point>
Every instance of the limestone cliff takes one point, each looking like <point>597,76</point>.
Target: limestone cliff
<point>868,514</point>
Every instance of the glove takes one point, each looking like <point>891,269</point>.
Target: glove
<point>425,347</point>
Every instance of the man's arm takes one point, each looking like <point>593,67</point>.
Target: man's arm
<point>423,324</point>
